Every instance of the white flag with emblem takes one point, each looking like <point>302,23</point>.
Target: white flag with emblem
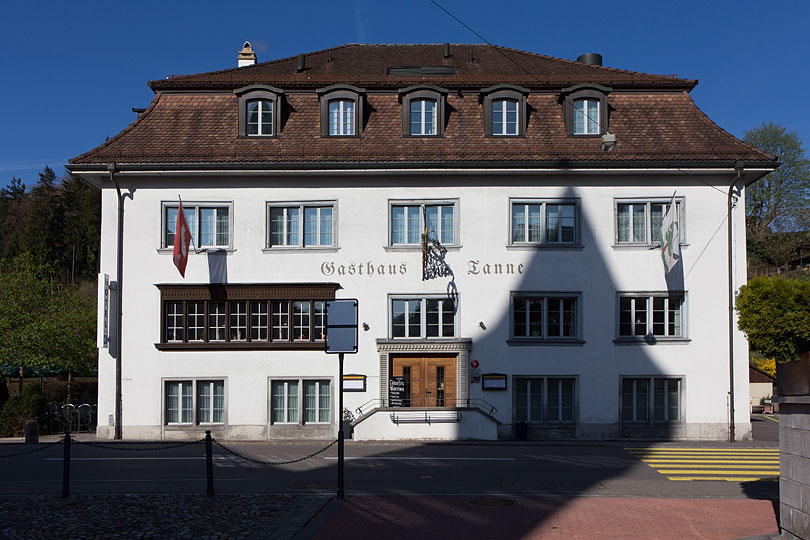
<point>670,237</point>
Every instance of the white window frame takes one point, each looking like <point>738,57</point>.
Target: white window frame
<point>545,297</point>
<point>300,400</point>
<point>545,382</point>
<point>342,128</point>
<point>302,207</point>
<point>260,114</point>
<point>648,203</point>
<point>423,316</point>
<point>421,204</point>
<point>505,132</point>
<point>543,204</point>
<point>649,310</point>
<point>194,383</point>
<point>211,409</point>
<point>195,207</point>
<point>423,120</point>
<point>650,404</point>
<point>175,321</point>
<point>587,114</point>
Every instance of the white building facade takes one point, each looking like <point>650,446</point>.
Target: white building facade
<point>541,311</point>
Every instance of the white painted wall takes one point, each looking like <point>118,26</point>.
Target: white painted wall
<point>598,271</point>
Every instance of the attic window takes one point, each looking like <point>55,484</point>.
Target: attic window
<point>259,108</point>
<point>423,70</point>
<point>585,110</point>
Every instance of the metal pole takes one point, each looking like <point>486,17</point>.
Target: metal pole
<point>731,203</point>
<point>66,466</point>
<point>340,493</point>
<point>119,297</point>
<point>209,463</point>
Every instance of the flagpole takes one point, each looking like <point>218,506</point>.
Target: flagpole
<point>193,243</point>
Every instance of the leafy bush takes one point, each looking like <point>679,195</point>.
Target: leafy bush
<point>775,315</point>
<point>30,405</point>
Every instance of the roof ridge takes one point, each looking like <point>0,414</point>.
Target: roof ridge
<point>274,61</point>
<point>578,63</point>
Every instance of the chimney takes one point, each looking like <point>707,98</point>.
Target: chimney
<point>591,59</point>
<point>246,56</point>
<point>446,51</point>
<point>300,63</point>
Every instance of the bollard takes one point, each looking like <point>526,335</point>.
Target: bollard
<point>66,467</point>
<point>209,463</point>
<point>31,431</point>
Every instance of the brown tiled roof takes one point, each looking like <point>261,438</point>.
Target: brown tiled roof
<point>186,128</point>
<point>367,66</point>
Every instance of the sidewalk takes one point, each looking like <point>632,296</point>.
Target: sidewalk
<point>547,518</point>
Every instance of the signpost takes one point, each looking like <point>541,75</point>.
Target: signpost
<point>341,338</point>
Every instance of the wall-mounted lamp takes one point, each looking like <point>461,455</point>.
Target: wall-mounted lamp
<point>481,325</point>
<point>365,327</point>
<point>608,142</point>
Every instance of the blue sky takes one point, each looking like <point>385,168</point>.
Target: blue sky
<point>72,71</point>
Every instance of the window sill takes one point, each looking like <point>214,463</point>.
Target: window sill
<point>242,346</point>
<point>190,427</point>
<point>531,342</point>
<point>296,249</point>
<point>245,136</point>
<point>170,250</point>
<point>640,247</point>
<point>652,341</point>
<point>544,247</point>
<point>418,247</point>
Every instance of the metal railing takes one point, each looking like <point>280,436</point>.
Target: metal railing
<point>477,403</point>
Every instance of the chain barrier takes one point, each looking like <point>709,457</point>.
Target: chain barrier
<point>260,462</point>
<point>119,446</point>
<point>49,445</point>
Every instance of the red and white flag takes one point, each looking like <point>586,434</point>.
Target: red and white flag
<point>182,238</point>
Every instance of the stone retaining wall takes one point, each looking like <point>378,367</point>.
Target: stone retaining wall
<point>794,453</point>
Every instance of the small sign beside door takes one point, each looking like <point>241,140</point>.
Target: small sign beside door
<point>396,392</point>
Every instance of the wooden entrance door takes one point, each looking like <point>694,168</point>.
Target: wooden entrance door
<point>429,381</point>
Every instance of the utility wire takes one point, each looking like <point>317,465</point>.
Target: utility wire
<point>598,123</point>
<point>530,74</point>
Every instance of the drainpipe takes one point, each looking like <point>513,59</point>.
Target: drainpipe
<point>118,299</point>
<point>732,201</point>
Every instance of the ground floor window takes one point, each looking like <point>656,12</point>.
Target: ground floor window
<point>184,405</point>
<point>544,399</point>
<point>651,399</point>
<point>294,401</point>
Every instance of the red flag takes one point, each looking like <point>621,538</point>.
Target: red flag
<point>182,237</point>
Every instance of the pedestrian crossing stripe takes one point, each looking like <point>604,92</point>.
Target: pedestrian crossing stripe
<point>724,464</point>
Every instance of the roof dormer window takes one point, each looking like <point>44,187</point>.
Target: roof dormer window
<point>585,110</point>
<point>422,111</point>
<point>504,110</point>
<point>341,111</point>
<point>259,108</point>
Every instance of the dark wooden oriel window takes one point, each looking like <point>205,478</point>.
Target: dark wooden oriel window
<point>289,316</point>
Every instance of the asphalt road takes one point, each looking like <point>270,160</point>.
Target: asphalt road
<point>568,469</point>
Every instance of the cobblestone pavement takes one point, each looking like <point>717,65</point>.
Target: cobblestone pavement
<point>186,516</point>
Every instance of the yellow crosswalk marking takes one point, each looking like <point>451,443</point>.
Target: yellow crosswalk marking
<point>718,461</point>
<point>724,479</point>
<point>718,464</point>
<point>689,471</point>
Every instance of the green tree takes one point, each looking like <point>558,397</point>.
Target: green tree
<point>774,313</point>
<point>779,203</point>
<point>44,324</point>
